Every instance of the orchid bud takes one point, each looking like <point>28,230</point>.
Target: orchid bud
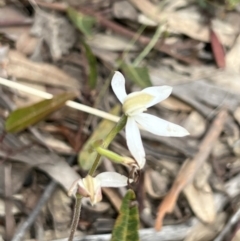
<point>115,157</point>
<point>91,186</point>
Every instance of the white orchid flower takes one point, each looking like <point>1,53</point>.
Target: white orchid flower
<point>91,186</point>
<point>134,105</point>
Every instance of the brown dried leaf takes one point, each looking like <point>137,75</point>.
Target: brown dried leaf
<point>9,15</point>
<point>56,30</point>
<point>221,149</point>
<point>195,124</point>
<point>155,183</point>
<point>58,145</point>
<point>175,104</point>
<point>217,49</point>
<point>59,207</point>
<point>19,173</point>
<point>59,169</point>
<point>202,176</point>
<point>124,10</point>
<point>201,202</point>
<point>187,20</point>
<point>114,198</point>
<point>21,67</point>
<point>232,57</point>
<point>110,42</point>
<point>100,207</point>
<point>27,44</point>
<point>236,236</point>
<point>14,210</point>
<point>207,232</point>
<point>236,114</point>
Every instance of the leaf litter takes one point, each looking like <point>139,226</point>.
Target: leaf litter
<point>196,53</point>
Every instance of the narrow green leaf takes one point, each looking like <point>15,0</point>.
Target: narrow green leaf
<point>127,223</point>
<point>22,118</point>
<point>83,22</point>
<point>86,159</point>
<point>139,75</point>
<point>92,62</point>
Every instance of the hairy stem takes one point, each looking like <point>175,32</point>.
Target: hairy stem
<point>76,216</point>
<point>115,130</point>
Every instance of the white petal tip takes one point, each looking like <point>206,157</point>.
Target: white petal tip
<point>181,132</point>
<point>186,133</point>
<point>118,86</point>
<point>117,72</point>
<point>141,162</point>
<point>118,76</point>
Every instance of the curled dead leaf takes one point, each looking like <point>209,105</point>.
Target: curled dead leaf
<point>19,66</point>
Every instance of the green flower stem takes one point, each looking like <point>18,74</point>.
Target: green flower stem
<point>110,154</point>
<point>116,129</point>
<point>76,216</point>
<point>95,165</point>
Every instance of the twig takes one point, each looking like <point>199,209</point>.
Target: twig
<point>46,95</point>
<point>76,216</point>
<point>44,198</point>
<point>190,168</point>
<point>231,222</point>
<point>9,219</point>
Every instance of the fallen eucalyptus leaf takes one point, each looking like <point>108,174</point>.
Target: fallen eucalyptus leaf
<point>206,232</point>
<point>127,223</point>
<point>232,60</point>
<point>172,103</point>
<point>86,159</point>
<point>201,202</point>
<point>18,66</point>
<point>195,124</point>
<point>22,118</point>
<point>110,42</point>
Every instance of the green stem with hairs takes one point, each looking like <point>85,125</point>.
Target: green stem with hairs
<point>111,135</point>
<point>76,216</point>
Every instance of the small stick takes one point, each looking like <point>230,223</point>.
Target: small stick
<point>76,216</point>
<point>41,202</point>
<point>9,218</point>
<point>190,168</point>
<point>228,227</point>
<point>46,95</point>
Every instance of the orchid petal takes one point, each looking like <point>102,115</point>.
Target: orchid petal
<point>111,179</point>
<point>97,196</point>
<point>118,86</point>
<point>159,126</point>
<point>160,93</point>
<point>134,142</point>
